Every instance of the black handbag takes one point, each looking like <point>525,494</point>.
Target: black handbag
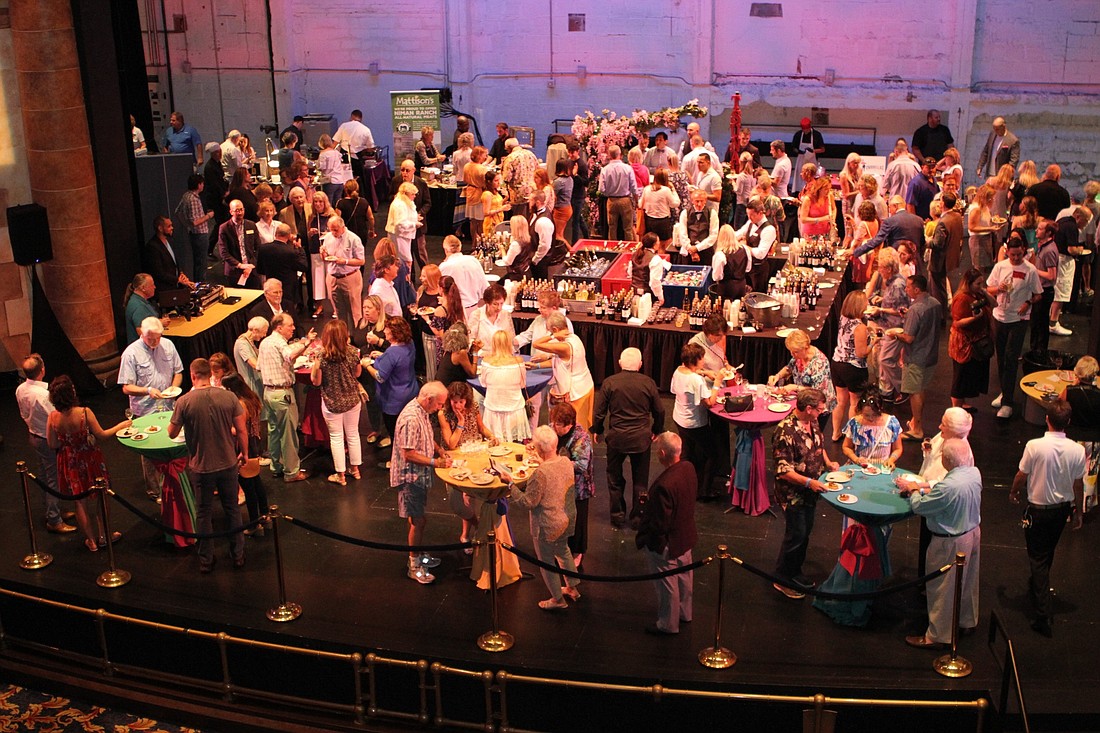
<point>982,349</point>
<point>738,403</point>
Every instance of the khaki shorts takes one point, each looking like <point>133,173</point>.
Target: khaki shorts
<point>915,378</point>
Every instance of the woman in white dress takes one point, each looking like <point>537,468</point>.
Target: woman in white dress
<point>402,222</point>
<point>572,379</point>
<point>505,381</point>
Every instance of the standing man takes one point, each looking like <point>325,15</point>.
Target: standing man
<point>541,227</point>
<point>343,252</point>
<point>952,508</point>
<point>781,171</point>
<point>276,360</point>
<point>657,156</point>
<point>1014,284</point>
<point>271,305</point>
<point>922,189</point>
<point>466,272</point>
<point>619,186</point>
<point>192,210</point>
<point>517,170</point>
<point>1052,470</point>
<point>33,396</point>
<point>147,367</point>
<point>901,170</point>
<point>708,179</point>
<point>809,144</point>
<point>499,149</point>
<point>690,162</point>
<point>946,244</point>
<point>635,417</point>
<point>355,137</point>
<point>1046,264</point>
<point>799,450</point>
<point>932,139</point>
<point>210,417</point>
<point>696,232</point>
<point>758,235</point>
<point>232,157</point>
<point>1001,147</point>
<point>214,190</point>
<point>666,531</point>
<point>295,129</point>
<point>898,227</point>
<point>1067,237</point>
<point>182,138</point>
<point>423,203</point>
<point>139,305</point>
<point>921,352</point>
<point>238,244</point>
<point>693,130</point>
<point>282,259</point>
<point>159,259</point>
<point>412,470</point>
<point>1050,196</point>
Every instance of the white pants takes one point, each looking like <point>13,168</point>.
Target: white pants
<point>319,277</point>
<point>341,424</point>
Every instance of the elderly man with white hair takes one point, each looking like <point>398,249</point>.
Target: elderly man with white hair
<point>953,510</point>
<point>232,156</point>
<point>149,366</point>
<point>343,250</point>
<point>631,404</point>
<point>667,533</point>
<point>954,425</point>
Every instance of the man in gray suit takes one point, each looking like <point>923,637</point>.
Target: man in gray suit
<point>1000,147</point>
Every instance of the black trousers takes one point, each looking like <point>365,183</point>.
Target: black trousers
<point>796,540</point>
<point>698,450</point>
<point>1040,321</point>
<point>616,481</point>
<point>1042,539</point>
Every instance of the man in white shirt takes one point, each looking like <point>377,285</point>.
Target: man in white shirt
<point>657,156</point>
<point>542,232</point>
<point>781,171</point>
<point>696,232</point>
<point>355,137</point>
<point>33,396</point>
<point>690,163</point>
<point>708,179</point>
<point>344,278</point>
<point>466,272</point>
<point>232,157</point>
<point>1052,470</point>
<point>902,169</point>
<point>759,236</point>
<point>693,130</point>
<point>1014,282</point>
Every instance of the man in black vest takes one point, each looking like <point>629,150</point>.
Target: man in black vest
<point>283,259</point>
<point>542,233</point>
<point>759,236</point>
<point>697,231</point>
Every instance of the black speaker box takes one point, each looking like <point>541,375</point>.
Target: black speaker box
<point>29,231</point>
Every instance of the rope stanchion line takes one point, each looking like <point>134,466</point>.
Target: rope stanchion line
<point>65,497</point>
<point>406,548</point>
<point>126,504</point>
<point>830,596</point>
<point>606,578</point>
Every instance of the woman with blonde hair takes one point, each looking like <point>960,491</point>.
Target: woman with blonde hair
<point>743,182</point>
<point>473,175</point>
<point>406,296</point>
<point>868,191</point>
<point>730,263</point>
<point>336,371</point>
<point>858,232</point>
<point>950,165</point>
<point>542,183</point>
<point>425,152</point>
<point>655,208</point>
<point>368,335</point>
<point>1026,176</point>
<point>979,222</point>
<point>402,222</point>
<point>321,212</point>
<point>572,379</point>
<point>808,367</point>
<point>428,298</point>
<point>266,225</point>
<point>517,258</point>
<point>889,303</point>
<point>849,363</point>
<point>505,381</point>
<point>849,182</point>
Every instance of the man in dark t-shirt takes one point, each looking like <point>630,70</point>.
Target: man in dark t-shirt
<point>932,138</point>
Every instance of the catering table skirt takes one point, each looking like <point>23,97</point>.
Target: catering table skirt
<point>441,215</point>
<point>215,330</point>
<point>860,544</point>
<point>763,354</point>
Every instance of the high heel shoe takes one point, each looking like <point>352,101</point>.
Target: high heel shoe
<point>115,537</point>
<point>571,593</point>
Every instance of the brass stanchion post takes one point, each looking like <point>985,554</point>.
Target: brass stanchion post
<point>285,611</point>
<point>717,656</point>
<point>494,640</point>
<point>111,577</point>
<point>952,665</point>
<point>36,560</point>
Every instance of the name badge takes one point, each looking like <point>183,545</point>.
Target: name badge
<point>249,231</point>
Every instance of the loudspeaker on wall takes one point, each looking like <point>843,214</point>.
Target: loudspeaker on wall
<point>29,231</point>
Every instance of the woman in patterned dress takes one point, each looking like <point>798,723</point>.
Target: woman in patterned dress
<point>872,436</point>
<point>460,423</point>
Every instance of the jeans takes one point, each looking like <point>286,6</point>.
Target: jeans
<point>580,226</point>
<point>225,483</point>
<point>796,539</point>
<point>1042,539</point>
<point>282,429</point>
<point>1009,341</point>
<point>255,497</point>
<point>47,459</point>
<point>674,592</point>
<point>616,481</point>
<point>341,426</point>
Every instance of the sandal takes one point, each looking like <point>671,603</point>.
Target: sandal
<point>337,478</point>
<point>572,593</point>
<point>92,546</point>
<point>115,537</point>
<point>372,438</point>
<point>355,473</point>
<point>551,604</point>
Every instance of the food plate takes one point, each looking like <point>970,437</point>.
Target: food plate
<point>366,361</point>
<point>1045,388</point>
<point>895,331</point>
<point>171,392</point>
<point>482,479</point>
<point>520,475</point>
<point>459,474</point>
<point>126,433</point>
<point>779,407</point>
<point>1085,253</point>
<point>500,263</point>
<point>871,470</point>
<point>998,220</point>
<point>847,499</point>
<point>330,258</point>
<point>181,438</point>
<point>499,450</point>
<point>838,477</point>
<point>1067,376</point>
<point>491,277</point>
<point>138,436</point>
<point>152,429</point>
<point>826,285</point>
<point>784,332</point>
<point>833,486</point>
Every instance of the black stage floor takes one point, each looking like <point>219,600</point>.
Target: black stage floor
<point>357,599</point>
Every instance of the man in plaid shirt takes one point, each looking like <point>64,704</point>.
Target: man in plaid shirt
<point>193,214</point>
<point>412,466</point>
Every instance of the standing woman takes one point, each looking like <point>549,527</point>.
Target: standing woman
<point>520,250</point>
<point>456,363</point>
<point>403,221</point>
<point>460,158</point>
<point>692,400</point>
<point>863,266</point>
<point>369,335</point>
<point>572,379</point>
<point>1026,177</point>
<point>429,296</point>
<point>473,175</point>
<point>403,282</point>
<point>460,423</point>
<point>979,222</point>
<point>808,367</point>
<point>267,225</point>
<point>563,198</point>
<point>321,212</point>
<point>426,153</point>
<point>575,443</point>
<point>72,433</point>
<point>743,183</point>
<point>505,382</point>
<point>1002,205</point>
<point>872,435</point>
<point>255,495</point>
<point>385,273</point>
<point>951,167</point>
<point>240,189</point>
<point>1027,221</point>
<point>334,171</point>
<point>492,204</point>
<point>657,203</point>
<point>447,313</point>
<point>248,155</point>
<point>849,364</point>
<point>730,265</point>
<point>356,212</point>
<point>678,182</point>
<point>817,212</point>
<point>335,370</point>
<point>395,372</point>
<point>971,321</point>
<point>849,185</point>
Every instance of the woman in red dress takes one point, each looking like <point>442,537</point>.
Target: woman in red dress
<point>72,431</point>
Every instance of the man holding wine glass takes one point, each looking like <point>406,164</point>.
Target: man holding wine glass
<point>1014,283</point>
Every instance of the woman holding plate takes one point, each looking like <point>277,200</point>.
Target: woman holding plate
<point>808,367</point>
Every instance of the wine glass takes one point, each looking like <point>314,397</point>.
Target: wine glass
<point>1056,359</point>
<point>128,413</point>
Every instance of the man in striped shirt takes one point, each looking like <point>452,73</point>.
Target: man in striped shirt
<point>275,359</point>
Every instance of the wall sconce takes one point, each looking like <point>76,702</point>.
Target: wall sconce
<point>374,69</point>
<point>582,72</point>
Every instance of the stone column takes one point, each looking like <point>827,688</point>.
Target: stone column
<point>63,177</point>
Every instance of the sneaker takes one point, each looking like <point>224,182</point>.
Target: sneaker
<point>265,461</point>
<point>996,404</point>
<point>1059,330</point>
<point>789,592</point>
<point>420,574</point>
<point>428,561</point>
<point>1004,412</point>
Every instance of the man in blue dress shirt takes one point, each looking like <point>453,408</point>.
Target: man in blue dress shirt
<point>182,138</point>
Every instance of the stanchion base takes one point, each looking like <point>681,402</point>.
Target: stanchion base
<point>717,658</point>
<point>495,641</point>
<point>285,612</point>
<point>948,667</point>
<point>37,561</point>
<point>113,579</point>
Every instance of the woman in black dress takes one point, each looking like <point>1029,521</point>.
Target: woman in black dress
<point>369,335</point>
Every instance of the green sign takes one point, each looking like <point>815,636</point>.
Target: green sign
<point>411,112</point>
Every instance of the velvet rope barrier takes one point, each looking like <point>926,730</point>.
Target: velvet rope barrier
<point>605,578</point>
<point>827,595</point>
<point>376,545</point>
<point>66,497</point>
<point>179,532</point>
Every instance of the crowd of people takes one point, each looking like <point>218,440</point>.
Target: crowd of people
<point>394,361</point>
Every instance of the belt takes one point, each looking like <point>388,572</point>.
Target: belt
<point>278,386</point>
<point>624,196</point>
<point>1048,507</point>
<point>36,435</point>
<point>950,536</point>
<point>340,277</point>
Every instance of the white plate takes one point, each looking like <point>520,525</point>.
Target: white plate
<point>847,499</point>
<point>500,263</point>
<point>171,392</point>
<point>459,474</point>
<point>492,278</point>
<point>181,438</point>
<point>838,477</point>
<point>126,433</point>
<point>519,476</point>
<point>139,436</point>
<point>779,407</point>
<point>833,486</point>
<point>784,332</point>
<point>1067,376</point>
<point>425,311</point>
<point>499,450</point>
<point>871,470</point>
<point>826,285</point>
<point>152,429</point>
<point>482,479</point>
<point>366,361</point>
